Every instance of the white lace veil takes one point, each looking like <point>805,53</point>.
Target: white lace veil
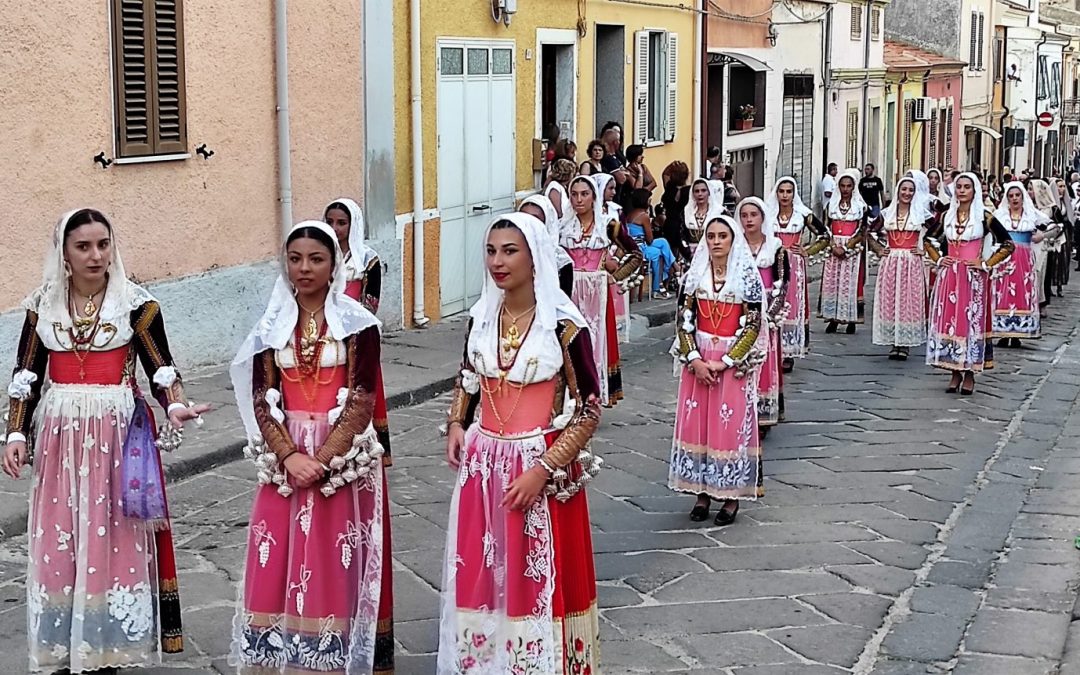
<point>551,225</point>
<point>919,210</point>
<point>552,306</point>
<point>799,210</point>
<point>570,227</point>
<point>344,317</point>
<point>360,254</point>
<point>50,300</point>
<point>742,282</point>
<point>766,255</point>
<point>858,206</point>
<point>976,228</point>
<point>1032,216</point>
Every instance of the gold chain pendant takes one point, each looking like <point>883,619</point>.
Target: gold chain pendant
<point>90,308</point>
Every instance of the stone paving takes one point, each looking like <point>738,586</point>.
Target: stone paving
<point>904,530</point>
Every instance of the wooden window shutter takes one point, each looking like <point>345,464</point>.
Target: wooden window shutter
<point>875,23</point>
<point>973,59</point>
<point>982,41</point>
<point>856,22</point>
<point>148,53</point>
<point>641,86</point>
<point>932,139</point>
<point>949,136</point>
<point>909,112</point>
<point>852,136</point>
<point>672,107</point>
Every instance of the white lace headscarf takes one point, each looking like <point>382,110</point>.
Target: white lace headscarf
<point>799,211</point>
<point>716,201</point>
<point>918,210</point>
<point>551,226</point>
<point>742,282</point>
<point>766,255</point>
<point>344,317</point>
<point>858,206</point>
<point>611,210</point>
<point>540,355</point>
<point>360,254</point>
<point>570,226</point>
<point>976,227</point>
<point>1031,217</point>
<point>50,300</point>
<point>1045,197</point>
<point>940,195</point>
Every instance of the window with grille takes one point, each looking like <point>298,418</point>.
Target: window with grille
<point>149,91</point>
<point>852,154</point>
<point>973,43</point>
<point>797,137</point>
<point>982,42</point>
<point>932,139</point>
<point>875,23</point>
<point>856,22</point>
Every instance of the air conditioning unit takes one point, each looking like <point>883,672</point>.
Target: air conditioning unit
<point>923,109</point>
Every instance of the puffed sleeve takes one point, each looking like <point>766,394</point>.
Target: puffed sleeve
<point>583,382</point>
<point>152,346</point>
<point>632,259</point>
<point>362,359</point>
<point>372,285</point>
<point>464,398</point>
<point>26,381</point>
<point>746,336</point>
<point>265,379</point>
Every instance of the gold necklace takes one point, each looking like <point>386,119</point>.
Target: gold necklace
<point>512,340</point>
<point>310,337</point>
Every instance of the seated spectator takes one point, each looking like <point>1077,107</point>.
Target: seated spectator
<point>656,250</point>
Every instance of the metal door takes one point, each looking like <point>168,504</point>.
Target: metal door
<point>476,154</point>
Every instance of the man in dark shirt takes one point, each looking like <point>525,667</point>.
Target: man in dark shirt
<point>872,190</point>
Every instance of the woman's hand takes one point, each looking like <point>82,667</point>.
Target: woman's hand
<point>716,369</point>
<point>182,415</point>
<point>455,443</point>
<point>304,470</point>
<point>1038,236</point>
<point>839,251</point>
<point>15,455</point>
<point>799,250</point>
<point>978,263</point>
<point>525,489</point>
<point>702,372</point>
<point>947,261</point>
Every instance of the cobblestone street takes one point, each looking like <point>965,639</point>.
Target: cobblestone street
<point>904,530</point>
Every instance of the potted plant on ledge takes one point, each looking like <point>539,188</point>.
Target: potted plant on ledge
<point>746,117</point>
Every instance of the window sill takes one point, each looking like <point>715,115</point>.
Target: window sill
<point>740,132</point>
<point>151,159</point>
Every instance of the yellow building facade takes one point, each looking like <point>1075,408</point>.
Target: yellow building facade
<point>492,84</point>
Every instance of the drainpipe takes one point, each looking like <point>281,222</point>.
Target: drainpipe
<point>866,84</point>
<point>419,319</point>
<point>901,122</point>
<point>826,73</point>
<point>699,40</point>
<point>281,78</point>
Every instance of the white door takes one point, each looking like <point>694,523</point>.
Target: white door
<point>476,159</point>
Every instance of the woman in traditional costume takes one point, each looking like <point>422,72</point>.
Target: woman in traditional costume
<point>519,588</point>
<point>559,176</point>
<point>363,274</point>
<point>1016,283</point>
<point>844,274</point>
<point>961,302</point>
<point>612,213</point>
<point>705,195</point>
<point>101,579</point>
<point>1050,242</point>
<point>900,297</point>
<point>716,449</point>
<point>540,207</point>
<point>793,220</point>
<point>771,258</point>
<point>305,380</point>
<point>584,235</point>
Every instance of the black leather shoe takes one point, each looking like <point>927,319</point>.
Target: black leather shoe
<point>851,329</point>
<point>725,516</point>
<point>700,512</point>
<point>831,328</point>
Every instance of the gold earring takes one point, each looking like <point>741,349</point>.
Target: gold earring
<point>67,269</point>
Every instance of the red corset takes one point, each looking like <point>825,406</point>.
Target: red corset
<point>718,318</point>
<point>106,368</point>
<point>324,395</point>
<point>519,410</point>
<point>843,228</point>
<point>898,239</point>
<point>790,239</point>
<point>355,288</point>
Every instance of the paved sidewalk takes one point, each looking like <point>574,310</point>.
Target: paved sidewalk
<point>418,365</point>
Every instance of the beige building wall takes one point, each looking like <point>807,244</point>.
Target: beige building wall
<point>182,217</point>
<point>462,19</point>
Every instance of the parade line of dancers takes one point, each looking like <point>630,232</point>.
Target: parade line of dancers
<point>540,362</point>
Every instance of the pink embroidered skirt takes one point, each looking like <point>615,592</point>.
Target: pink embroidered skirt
<point>1016,293</point>
<point>960,313</point>
<point>900,297</point>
